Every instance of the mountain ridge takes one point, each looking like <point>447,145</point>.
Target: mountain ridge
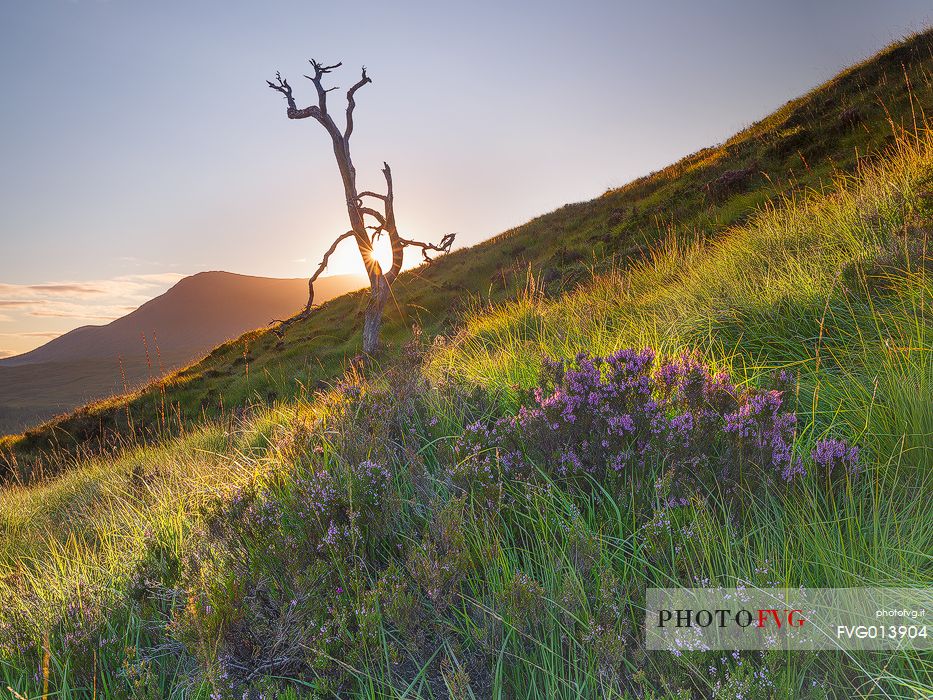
<point>174,328</point>
<point>280,296</point>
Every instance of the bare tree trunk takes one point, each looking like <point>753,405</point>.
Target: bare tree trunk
<point>372,320</point>
<point>380,282</point>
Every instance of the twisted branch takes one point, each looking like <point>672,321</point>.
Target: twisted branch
<point>281,85</point>
<point>442,247</point>
<point>367,193</point>
<point>283,325</point>
<point>320,70</point>
<point>387,225</point>
<point>375,214</point>
<point>351,104</point>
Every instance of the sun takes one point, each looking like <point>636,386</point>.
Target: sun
<point>346,259</point>
<point>382,253</point>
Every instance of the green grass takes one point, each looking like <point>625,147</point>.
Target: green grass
<point>787,290</point>
<point>158,567</point>
<point>802,145</point>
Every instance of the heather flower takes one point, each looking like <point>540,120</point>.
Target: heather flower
<point>766,432</point>
<point>371,481</point>
<point>480,460</point>
<point>318,492</point>
<point>607,416</point>
<point>835,456</point>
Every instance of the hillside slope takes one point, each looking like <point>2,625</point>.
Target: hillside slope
<point>181,325</point>
<point>480,515</point>
<point>801,145</point>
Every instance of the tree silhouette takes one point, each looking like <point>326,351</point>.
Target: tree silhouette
<point>365,234</point>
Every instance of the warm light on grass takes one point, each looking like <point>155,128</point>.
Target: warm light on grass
<point>780,291</point>
<point>352,564</point>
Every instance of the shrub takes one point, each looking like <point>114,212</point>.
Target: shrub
<point>835,457</point>
<point>442,561</point>
<point>609,418</point>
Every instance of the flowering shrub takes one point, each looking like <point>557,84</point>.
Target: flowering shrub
<point>836,457</point>
<point>345,504</point>
<point>370,487</point>
<point>765,432</point>
<point>440,563</point>
<point>348,533</point>
<point>522,601</point>
<point>479,460</point>
<point>605,627</point>
<point>608,417</point>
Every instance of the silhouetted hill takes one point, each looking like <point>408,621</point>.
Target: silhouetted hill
<point>191,318</point>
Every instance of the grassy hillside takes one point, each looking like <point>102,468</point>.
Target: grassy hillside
<point>800,146</point>
<point>834,286</point>
<point>432,527</point>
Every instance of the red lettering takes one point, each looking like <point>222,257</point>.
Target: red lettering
<point>764,614</point>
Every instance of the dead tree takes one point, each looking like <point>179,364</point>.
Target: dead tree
<point>363,233</point>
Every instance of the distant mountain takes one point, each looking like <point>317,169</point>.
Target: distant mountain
<point>190,319</point>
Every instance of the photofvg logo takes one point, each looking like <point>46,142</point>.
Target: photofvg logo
<point>723,617</point>
<point>747,618</point>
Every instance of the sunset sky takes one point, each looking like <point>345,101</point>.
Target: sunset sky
<point>139,142</point>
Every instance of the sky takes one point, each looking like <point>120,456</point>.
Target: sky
<point>140,143</point>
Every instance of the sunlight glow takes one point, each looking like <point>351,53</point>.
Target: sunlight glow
<point>346,259</point>
<point>382,253</point>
